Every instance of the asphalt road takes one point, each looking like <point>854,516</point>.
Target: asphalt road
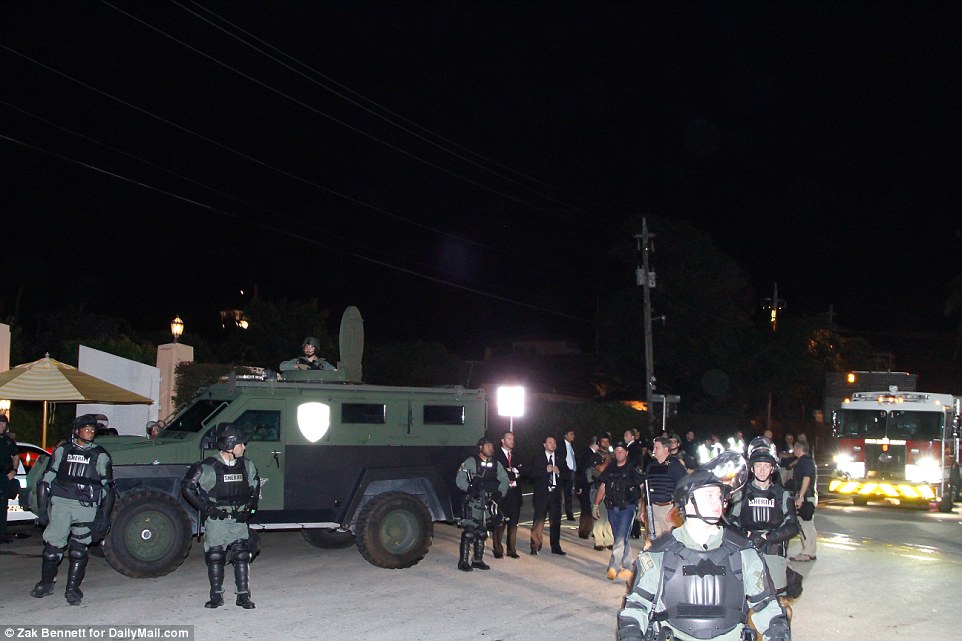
<point>882,573</point>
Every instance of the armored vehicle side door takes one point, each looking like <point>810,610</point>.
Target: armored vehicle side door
<point>262,419</point>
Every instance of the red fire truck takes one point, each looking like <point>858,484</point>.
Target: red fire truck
<point>898,446</point>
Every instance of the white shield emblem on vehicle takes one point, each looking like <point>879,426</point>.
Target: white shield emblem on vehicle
<point>313,419</point>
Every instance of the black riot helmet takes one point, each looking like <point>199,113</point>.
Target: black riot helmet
<point>726,471</point>
<point>762,450</point>
<point>227,435</point>
<point>85,420</point>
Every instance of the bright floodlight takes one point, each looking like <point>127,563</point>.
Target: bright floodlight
<point>313,419</point>
<point>511,400</point>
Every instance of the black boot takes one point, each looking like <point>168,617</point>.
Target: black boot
<point>77,554</point>
<point>478,554</point>
<point>215,558</point>
<point>48,572</point>
<point>242,570</point>
<point>464,563</point>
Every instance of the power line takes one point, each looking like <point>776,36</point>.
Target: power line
<point>198,183</point>
<point>284,172</point>
<point>387,110</point>
<point>297,236</point>
<point>333,119</point>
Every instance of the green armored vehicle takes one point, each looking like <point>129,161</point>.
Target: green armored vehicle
<point>341,461</point>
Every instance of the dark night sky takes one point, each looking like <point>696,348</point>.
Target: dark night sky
<point>818,143</point>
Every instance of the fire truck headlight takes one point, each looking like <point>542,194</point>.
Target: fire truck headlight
<point>848,467</point>
<point>925,470</point>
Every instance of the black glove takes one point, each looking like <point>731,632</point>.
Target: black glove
<point>243,516</point>
<point>214,512</point>
<point>99,528</point>
<point>43,503</point>
<point>476,489</point>
<point>758,540</point>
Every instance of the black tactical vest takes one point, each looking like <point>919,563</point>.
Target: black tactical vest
<point>704,588</point>
<point>620,492</point>
<point>77,476</point>
<point>660,485</point>
<point>761,510</point>
<point>487,473</point>
<point>231,486</point>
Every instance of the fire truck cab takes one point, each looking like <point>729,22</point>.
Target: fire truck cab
<point>898,446</point>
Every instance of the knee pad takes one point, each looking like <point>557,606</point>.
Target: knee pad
<point>243,555</point>
<point>215,555</point>
<point>51,553</point>
<point>76,551</point>
<point>468,534</point>
<point>238,551</point>
<point>482,534</point>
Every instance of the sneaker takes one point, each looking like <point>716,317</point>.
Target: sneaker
<point>625,575</point>
<point>612,573</point>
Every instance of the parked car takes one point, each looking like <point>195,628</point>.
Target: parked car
<point>30,455</point>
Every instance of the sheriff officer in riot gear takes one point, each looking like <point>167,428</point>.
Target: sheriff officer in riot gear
<point>699,581</point>
<point>75,496</point>
<point>225,488</point>
<point>484,481</point>
<point>764,511</point>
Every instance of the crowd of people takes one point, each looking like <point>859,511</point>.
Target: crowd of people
<point>716,520</point>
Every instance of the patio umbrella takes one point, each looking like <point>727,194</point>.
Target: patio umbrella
<point>51,381</point>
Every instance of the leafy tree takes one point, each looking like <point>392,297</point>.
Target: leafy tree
<point>60,334</point>
<point>953,309</point>
<point>705,298</point>
<point>417,363</point>
<point>275,334</point>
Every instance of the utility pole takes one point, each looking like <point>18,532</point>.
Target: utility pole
<point>646,278</point>
<point>773,305</point>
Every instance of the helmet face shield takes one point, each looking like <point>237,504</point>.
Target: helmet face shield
<point>86,420</point>
<point>762,450</point>
<point>727,471</point>
<point>228,436</point>
<point>730,469</point>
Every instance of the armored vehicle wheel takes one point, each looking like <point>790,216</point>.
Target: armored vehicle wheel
<point>859,500</point>
<point>327,539</point>
<point>150,535</point>
<point>394,530</point>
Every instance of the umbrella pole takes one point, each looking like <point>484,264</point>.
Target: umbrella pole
<point>43,442</point>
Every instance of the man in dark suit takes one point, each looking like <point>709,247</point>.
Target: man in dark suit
<point>545,472</point>
<point>512,501</point>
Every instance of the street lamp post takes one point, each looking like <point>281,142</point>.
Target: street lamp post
<point>510,403</point>
<point>176,328</point>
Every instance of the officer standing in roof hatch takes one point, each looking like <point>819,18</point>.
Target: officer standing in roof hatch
<point>310,360</point>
